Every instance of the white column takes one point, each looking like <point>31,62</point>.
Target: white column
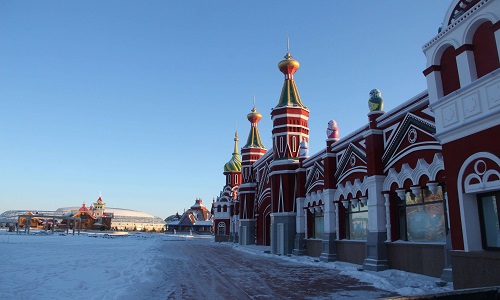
<point>434,86</point>
<point>330,216</point>
<point>376,204</point>
<point>337,220</point>
<point>497,38</point>
<point>466,67</point>
<point>388,216</point>
<point>300,223</point>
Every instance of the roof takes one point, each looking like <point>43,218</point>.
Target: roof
<point>234,164</point>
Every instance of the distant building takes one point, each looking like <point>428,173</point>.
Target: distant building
<point>416,188</point>
<point>197,220</point>
<point>94,217</point>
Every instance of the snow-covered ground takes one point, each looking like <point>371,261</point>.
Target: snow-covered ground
<point>135,266</point>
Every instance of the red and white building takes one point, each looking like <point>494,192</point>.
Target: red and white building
<point>416,189</point>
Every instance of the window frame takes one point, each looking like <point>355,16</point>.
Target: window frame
<point>402,207</point>
<point>479,197</point>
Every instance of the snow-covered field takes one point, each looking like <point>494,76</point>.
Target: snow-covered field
<point>136,266</point>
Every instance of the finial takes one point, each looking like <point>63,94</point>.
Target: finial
<point>287,43</point>
<point>253,101</point>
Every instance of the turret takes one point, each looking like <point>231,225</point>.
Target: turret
<point>232,169</point>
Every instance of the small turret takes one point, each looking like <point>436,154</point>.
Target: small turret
<point>234,164</point>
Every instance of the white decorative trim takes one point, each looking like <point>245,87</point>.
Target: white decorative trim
<point>313,197</point>
<point>481,176</point>
<point>422,168</point>
<point>353,189</point>
<point>469,215</point>
<point>471,104</point>
<point>455,23</point>
<point>493,94</point>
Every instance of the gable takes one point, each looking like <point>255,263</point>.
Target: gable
<point>352,160</point>
<point>412,134</point>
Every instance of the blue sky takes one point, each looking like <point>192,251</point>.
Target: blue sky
<point>140,100</point>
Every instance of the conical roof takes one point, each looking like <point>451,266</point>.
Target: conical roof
<point>289,94</point>
<point>254,140</point>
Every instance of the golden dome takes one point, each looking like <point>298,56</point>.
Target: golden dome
<point>288,65</point>
<point>254,116</point>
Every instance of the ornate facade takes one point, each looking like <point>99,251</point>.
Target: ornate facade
<point>416,189</point>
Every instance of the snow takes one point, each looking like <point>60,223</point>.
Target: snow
<point>403,283</point>
<point>109,266</point>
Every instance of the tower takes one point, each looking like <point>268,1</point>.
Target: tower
<point>99,208</point>
<point>225,219</point>
<point>251,152</point>
<point>290,128</point>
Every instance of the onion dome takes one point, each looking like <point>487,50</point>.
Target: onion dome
<point>288,66</point>
<point>376,103</point>
<point>289,93</point>
<point>234,165</point>
<point>254,140</point>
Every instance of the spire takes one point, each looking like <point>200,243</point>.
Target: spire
<point>235,163</point>
<point>254,140</point>
<point>289,93</point>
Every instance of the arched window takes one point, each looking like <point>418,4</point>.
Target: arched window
<point>422,216</point>
<point>224,208</point>
<point>449,71</point>
<point>221,228</point>
<point>485,49</point>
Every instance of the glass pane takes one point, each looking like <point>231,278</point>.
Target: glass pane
<point>426,223</point>
<point>412,198</point>
<point>318,227</point>
<point>358,226</point>
<point>430,197</point>
<point>490,217</point>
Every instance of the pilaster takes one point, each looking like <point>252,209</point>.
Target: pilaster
<point>300,225</point>
<point>329,251</point>
<point>376,250</point>
<point>466,65</point>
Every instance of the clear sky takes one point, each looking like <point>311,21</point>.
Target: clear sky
<point>140,100</point>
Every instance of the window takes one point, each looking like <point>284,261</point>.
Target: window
<point>236,179</point>
<point>488,217</point>
<point>357,221</point>
<point>221,228</point>
<point>319,221</point>
<point>294,143</point>
<point>422,217</point>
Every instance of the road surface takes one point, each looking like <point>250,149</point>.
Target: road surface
<point>202,269</point>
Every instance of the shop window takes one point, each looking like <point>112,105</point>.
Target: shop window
<point>356,221</point>
<point>221,228</point>
<point>319,224</point>
<point>422,217</point>
<point>489,218</point>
